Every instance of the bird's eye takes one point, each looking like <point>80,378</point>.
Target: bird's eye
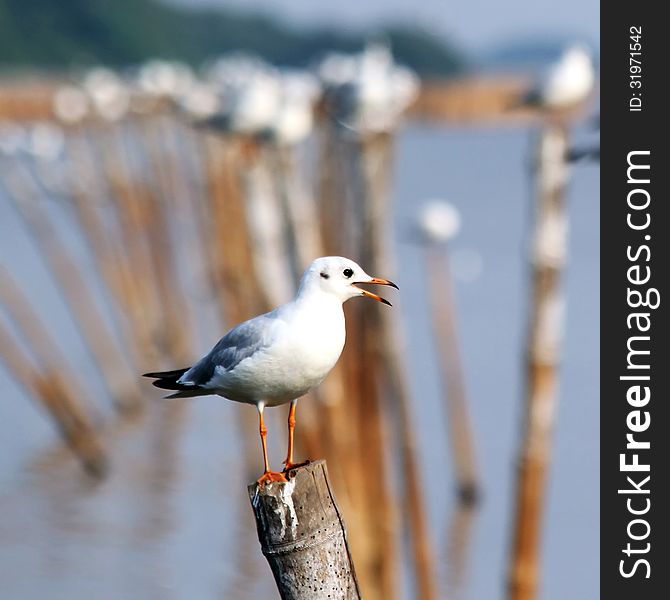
<point>348,272</point>
<point>324,275</point>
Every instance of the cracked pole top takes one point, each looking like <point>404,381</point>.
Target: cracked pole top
<point>303,536</point>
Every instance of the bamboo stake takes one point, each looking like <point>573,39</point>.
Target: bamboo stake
<point>303,536</point>
<point>544,344</point>
<point>459,540</point>
<point>376,161</point>
<point>232,269</point>
<point>133,215</point>
<point>49,388</point>
<point>116,373</point>
<point>270,247</point>
<point>301,226</point>
<point>37,335</point>
<point>111,260</point>
<point>458,422</point>
<point>159,148</point>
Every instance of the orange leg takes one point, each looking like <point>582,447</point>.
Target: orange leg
<point>267,475</point>
<point>289,464</point>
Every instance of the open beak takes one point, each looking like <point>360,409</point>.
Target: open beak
<point>376,281</point>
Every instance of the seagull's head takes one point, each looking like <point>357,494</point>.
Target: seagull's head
<point>340,277</point>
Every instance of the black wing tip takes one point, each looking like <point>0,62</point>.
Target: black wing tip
<point>385,301</point>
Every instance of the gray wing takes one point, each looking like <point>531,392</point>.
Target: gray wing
<point>239,343</point>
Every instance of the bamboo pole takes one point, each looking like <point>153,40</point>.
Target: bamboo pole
<point>384,329</point>
<point>228,248</point>
<point>458,421</point>
<point>49,388</point>
<point>300,222</point>
<point>109,358</point>
<point>269,246</point>
<point>375,545</point>
<point>130,221</point>
<point>111,260</point>
<point>544,343</point>
<point>459,541</point>
<point>36,334</point>
<point>303,536</point>
<point>161,198</point>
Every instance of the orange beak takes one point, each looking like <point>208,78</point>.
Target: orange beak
<point>376,281</point>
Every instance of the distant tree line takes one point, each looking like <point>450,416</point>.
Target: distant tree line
<point>57,34</point>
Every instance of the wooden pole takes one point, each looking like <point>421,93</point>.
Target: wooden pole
<point>111,259</point>
<point>109,357</point>
<point>365,173</point>
<point>303,536</point>
<point>385,342</point>
<point>50,389</point>
<point>459,538</point>
<point>458,422</point>
<point>544,344</point>
<point>37,335</point>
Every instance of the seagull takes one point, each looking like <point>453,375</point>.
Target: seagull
<point>277,357</point>
<point>566,84</point>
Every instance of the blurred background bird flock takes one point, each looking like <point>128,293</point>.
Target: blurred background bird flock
<point>147,209</point>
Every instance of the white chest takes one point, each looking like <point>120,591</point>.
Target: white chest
<point>316,341</point>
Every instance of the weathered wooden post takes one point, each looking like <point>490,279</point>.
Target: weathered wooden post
<point>544,343</point>
<point>303,536</point>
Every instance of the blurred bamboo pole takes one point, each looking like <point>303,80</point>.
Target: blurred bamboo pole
<point>269,245</point>
<point>458,421</point>
<point>232,269</point>
<point>300,221</point>
<point>109,357</point>
<point>37,334</point>
<point>111,260</point>
<point>300,229</point>
<point>48,386</point>
<point>338,395</point>
<point>377,164</point>
<point>132,216</point>
<point>374,545</point>
<point>544,342</point>
<point>459,541</point>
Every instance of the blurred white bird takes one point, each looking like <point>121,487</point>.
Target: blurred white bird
<point>369,92</point>
<point>293,120</point>
<point>566,84</point>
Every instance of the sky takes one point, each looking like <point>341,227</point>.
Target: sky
<point>478,25</point>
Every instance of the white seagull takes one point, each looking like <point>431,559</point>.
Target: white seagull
<point>279,356</point>
<point>566,84</point>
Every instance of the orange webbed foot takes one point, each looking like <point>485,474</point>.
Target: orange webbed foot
<point>271,476</point>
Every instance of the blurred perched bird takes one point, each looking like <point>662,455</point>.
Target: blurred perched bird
<point>566,84</point>
<point>367,92</point>
<point>277,357</point>
<point>262,101</point>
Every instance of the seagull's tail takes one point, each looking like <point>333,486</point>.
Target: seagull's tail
<point>168,380</point>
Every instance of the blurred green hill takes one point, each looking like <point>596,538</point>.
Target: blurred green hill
<point>56,34</point>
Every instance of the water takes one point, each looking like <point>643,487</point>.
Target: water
<point>177,524</point>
